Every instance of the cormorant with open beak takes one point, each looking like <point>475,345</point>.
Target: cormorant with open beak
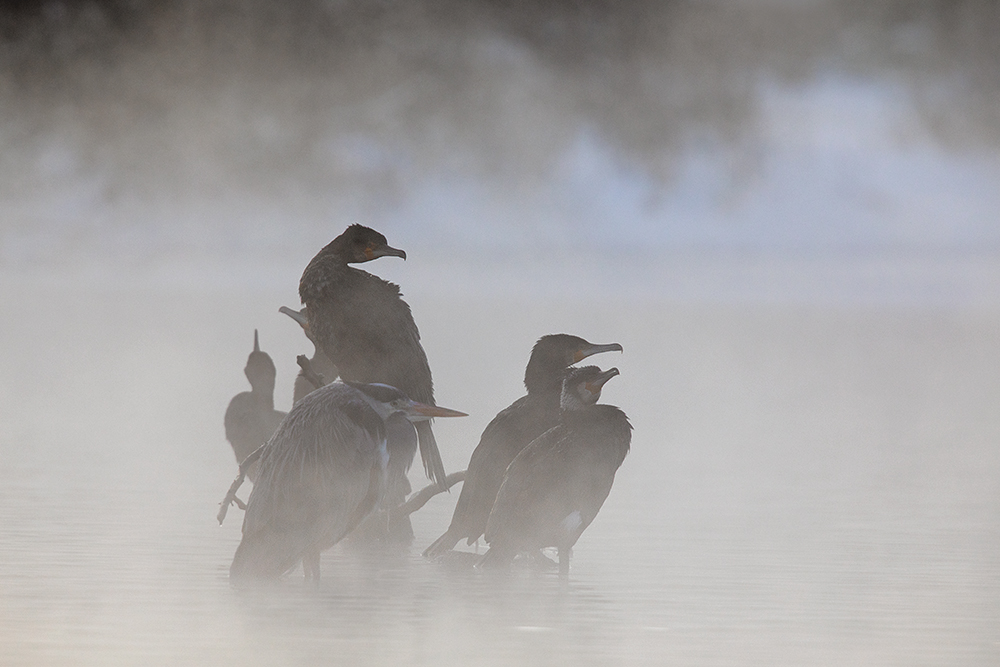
<point>511,431</point>
<point>554,488</point>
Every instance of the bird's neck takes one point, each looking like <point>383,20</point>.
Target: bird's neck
<point>547,401</point>
<point>327,268</point>
<point>572,406</point>
<point>264,393</point>
<point>542,380</point>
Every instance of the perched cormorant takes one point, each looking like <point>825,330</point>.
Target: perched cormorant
<point>319,363</point>
<point>511,431</point>
<point>363,325</point>
<point>323,472</point>
<point>251,418</point>
<point>554,488</point>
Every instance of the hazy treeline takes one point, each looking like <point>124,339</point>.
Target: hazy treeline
<point>356,97</point>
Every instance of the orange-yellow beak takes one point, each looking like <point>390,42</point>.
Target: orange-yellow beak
<point>423,411</point>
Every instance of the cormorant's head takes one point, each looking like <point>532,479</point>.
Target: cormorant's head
<point>260,369</point>
<point>387,400</point>
<point>362,244</point>
<point>582,386</point>
<point>555,352</point>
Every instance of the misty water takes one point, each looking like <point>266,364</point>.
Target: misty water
<point>786,216</point>
<point>806,486</point>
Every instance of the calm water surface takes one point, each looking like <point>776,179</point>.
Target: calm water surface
<point>805,487</point>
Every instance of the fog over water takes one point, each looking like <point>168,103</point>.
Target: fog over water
<point>785,212</point>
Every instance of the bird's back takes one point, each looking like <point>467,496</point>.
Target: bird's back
<point>555,487</point>
<point>250,421</point>
<point>366,329</point>
<point>321,474</point>
<point>502,440</point>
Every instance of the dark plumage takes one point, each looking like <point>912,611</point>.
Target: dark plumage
<point>363,325</point>
<point>511,431</point>
<point>319,363</point>
<point>554,488</point>
<point>323,472</point>
<point>251,418</point>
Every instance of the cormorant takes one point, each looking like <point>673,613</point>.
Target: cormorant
<point>323,472</point>
<point>554,488</point>
<point>319,363</point>
<point>511,431</point>
<point>251,418</point>
<point>366,329</point>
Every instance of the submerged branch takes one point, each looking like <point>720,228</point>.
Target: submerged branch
<point>405,509</point>
<point>420,498</point>
<point>237,483</point>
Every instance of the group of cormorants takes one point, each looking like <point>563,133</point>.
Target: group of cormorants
<point>338,460</point>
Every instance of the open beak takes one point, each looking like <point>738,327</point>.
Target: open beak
<point>297,315</point>
<point>585,352</point>
<point>595,385</point>
<point>422,412</point>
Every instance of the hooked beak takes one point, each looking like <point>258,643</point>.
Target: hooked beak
<point>585,352</point>
<point>595,385</point>
<point>422,412</point>
<point>373,252</point>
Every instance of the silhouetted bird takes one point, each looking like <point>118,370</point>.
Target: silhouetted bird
<point>251,418</point>
<point>366,329</point>
<point>323,472</point>
<point>554,488</point>
<point>511,431</point>
<point>319,363</point>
